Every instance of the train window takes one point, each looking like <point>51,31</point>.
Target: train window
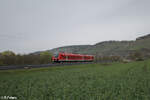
<point>56,55</point>
<point>63,56</point>
<point>69,57</point>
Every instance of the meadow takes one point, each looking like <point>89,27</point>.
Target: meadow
<point>113,81</point>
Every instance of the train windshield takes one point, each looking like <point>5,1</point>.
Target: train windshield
<point>56,55</point>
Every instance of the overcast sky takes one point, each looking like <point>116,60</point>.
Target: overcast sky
<point>35,25</point>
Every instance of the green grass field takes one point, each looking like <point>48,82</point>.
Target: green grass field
<point>116,81</point>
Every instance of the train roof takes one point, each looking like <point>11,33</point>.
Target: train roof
<point>75,54</point>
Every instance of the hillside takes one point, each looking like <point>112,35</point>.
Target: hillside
<point>107,48</point>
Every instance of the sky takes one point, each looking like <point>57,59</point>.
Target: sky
<point>35,25</point>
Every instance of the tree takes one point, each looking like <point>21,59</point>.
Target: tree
<point>8,57</point>
<point>1,62</point>
<point>45,57</point>
<point>8,53</point>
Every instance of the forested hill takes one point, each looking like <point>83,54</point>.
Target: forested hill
<point>107,48</point>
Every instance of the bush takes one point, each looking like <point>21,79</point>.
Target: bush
<point>136,56</point>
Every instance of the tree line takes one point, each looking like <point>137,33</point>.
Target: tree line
<point>10,58</point>
<point>133,56</point>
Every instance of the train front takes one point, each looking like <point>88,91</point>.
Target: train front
<point>55,58</point>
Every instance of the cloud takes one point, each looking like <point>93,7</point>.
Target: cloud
<point>35,25</point>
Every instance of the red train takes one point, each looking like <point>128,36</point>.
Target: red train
<point>69,57</point>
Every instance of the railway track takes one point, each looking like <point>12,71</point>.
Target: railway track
<point>40,66</point>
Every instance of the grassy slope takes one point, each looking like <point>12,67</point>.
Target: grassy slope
<point>87,82</point>
<point>118,47</point>
<point>143,43</point>
<point>107,47</point>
